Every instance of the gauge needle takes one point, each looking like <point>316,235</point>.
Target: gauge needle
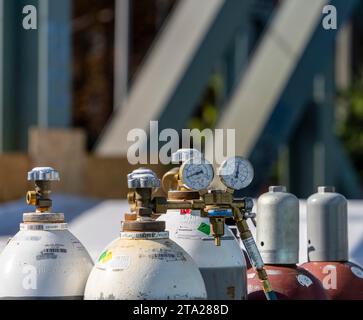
<point>237,173</point>
<point>196,174</point>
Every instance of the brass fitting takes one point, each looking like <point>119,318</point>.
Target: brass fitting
<point>170,180</point>
<point>217,229</point>
<point>218,197</point>
<point>31,198</point>
<point>39,199</point>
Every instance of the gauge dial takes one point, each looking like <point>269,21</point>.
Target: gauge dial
<point>196,175</point>
<point>236,173</point>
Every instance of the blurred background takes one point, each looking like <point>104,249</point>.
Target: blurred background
<point>72,89</point>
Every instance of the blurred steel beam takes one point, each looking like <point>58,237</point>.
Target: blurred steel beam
<point>270,70</point>
<point>43,53</point>
<point>1,75</point>
<point>318,58</point>
<point>344,55</point>
<point>275,90</point>
<point>122,43</point>
<point>10,91</point>
<point>54,54</point>
<point>37,69</point>
<point>176,71</point>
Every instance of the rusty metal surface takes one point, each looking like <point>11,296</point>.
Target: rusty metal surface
<point>288,282</point>
<point>341,280</point>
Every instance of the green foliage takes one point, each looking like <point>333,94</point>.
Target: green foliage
<point>207,111</point>
<point>350,123</point>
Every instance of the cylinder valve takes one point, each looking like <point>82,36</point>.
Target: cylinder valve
<point>142,182</point>
<point>40,197</point>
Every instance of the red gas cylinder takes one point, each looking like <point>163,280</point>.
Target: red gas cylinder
<point>288,282</point>
<point>341,280</point>
<point>278,243</point>
<point>327,231</point>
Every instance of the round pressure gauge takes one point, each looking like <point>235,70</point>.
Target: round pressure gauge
<point>236,173</point>
<point>196,174</point>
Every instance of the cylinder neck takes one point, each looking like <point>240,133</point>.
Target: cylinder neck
<point>277,189</point>
<point>37,217</point>
<point>326,189</point>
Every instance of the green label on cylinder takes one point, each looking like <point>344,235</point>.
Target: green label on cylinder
<point>205,228</point>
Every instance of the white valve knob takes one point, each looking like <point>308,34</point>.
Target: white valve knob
<point>43,174</point>
<point>143,178</point>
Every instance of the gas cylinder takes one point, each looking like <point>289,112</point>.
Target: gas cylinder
<point>44,260</point>
<point>223,268</point>
<point>327,234</point>
<point>144,263</point>
<point>278,242</point>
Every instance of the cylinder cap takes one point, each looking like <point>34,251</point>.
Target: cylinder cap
<point>327,226</point>
<point>278,226</point>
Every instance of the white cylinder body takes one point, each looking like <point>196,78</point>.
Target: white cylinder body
<point>145,266</point>
<point>44,261</point>
<point>223,268</point>
<point>278,226</point>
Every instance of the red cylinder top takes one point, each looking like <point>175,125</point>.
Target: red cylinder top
<point>341,280</point>
<point>289,283</point>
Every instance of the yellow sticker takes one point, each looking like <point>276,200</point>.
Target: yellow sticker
<point>105,257</point>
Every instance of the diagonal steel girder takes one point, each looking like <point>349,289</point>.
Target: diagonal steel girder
<point>176,71</point>
<point>272,95</point>
<point>296,96</point>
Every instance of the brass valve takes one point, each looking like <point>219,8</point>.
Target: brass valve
<point>142,182</point>
<point>40,197</point>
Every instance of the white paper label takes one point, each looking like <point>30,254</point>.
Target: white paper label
<point>43,226</point>
<point>357,272</point>
<point>304,280</point>
<point>117,263</point>
<point>251,275</point>
<point>144,235</point>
